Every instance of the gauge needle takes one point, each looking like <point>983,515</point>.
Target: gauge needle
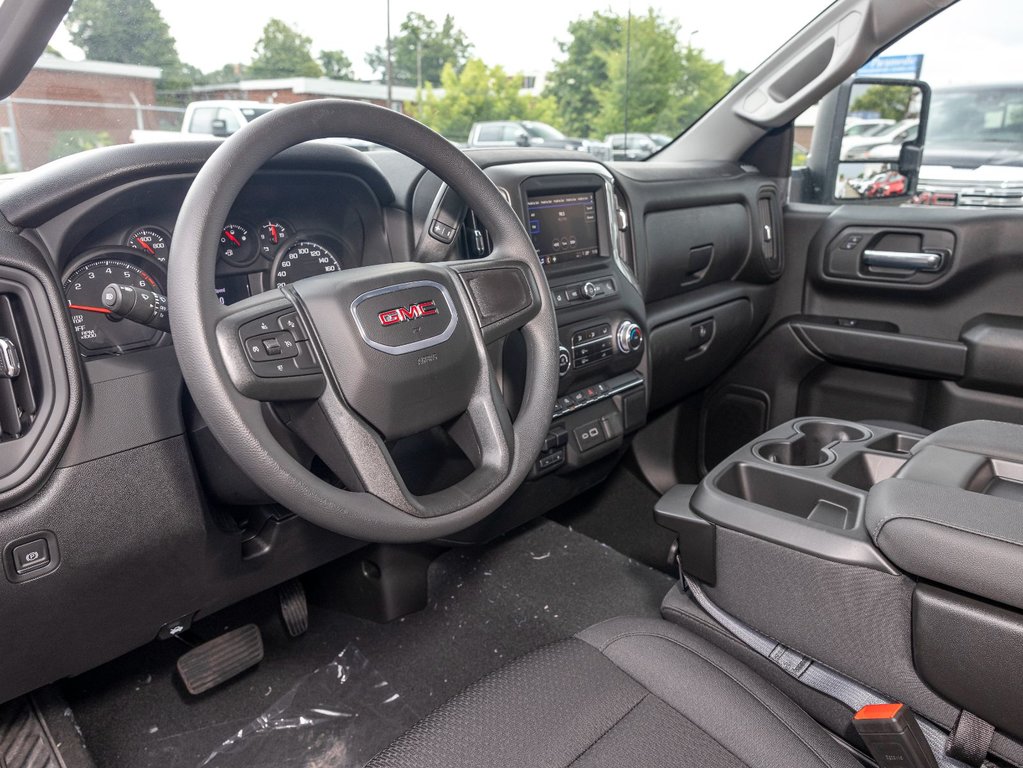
<point>101,310</point>
<point>232,238</point>
<point>145,246</point>
<point>273,232</point>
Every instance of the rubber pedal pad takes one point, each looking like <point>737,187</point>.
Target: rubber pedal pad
<point>218,660</point>
<point>294,608</point>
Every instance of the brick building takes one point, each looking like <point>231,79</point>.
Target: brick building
<point>288,90</point>
<point>67,106</point>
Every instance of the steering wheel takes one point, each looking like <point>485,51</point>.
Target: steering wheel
<point>353,359</point>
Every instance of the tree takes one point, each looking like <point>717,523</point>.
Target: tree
<point>129,32</point>
<point>283,52</point>
<point>229,73</point>
<point>420,46</point>
<point>577,80</point>
<point>336,65</point>
<point>480,93</point>
<point>891,102</point>
<point>126,31</point>
<point>643,73</point>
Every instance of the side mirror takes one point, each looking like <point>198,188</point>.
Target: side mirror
<point>218,127</point>
<point>522,139</point>
<point>882,162</point>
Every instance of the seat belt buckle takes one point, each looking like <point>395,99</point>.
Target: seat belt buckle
<point>893,736</point>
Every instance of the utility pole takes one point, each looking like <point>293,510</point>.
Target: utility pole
<point>419,77</point>
<point>390,68</point>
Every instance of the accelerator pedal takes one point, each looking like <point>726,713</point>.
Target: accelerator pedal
<point>294,608</point>
<point>218,660</point>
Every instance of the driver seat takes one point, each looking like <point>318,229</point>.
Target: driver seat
<point>642,693</point>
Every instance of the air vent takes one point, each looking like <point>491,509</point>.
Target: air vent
<point>19,377</point>
<point>475,238</point>
<point>768,232</point>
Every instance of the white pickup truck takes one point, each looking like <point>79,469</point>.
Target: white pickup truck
<point>208,120</point>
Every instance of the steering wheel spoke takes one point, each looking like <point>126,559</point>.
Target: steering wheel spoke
<point>265,346</point>
<point>503,293</point>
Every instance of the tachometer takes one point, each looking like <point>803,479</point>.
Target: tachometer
<point>152,241</point>
<point>97,330</point>
<point>303,258</point>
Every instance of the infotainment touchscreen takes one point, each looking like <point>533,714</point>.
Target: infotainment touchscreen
<point>563,227</point>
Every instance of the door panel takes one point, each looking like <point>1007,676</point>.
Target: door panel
<point>924,343</point>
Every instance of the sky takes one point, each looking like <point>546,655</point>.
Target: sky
<point>974,41</point>
<point>521,36</point>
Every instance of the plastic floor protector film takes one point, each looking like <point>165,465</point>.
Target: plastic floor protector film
<point>339,715</point>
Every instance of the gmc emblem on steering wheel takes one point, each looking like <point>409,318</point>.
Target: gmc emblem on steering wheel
<point>403,314</point>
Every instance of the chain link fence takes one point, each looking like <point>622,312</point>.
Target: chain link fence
<point>35,131</point>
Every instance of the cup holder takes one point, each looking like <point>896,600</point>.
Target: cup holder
<point>811,445</point>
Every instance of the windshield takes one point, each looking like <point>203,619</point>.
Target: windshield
<point>526,74</point>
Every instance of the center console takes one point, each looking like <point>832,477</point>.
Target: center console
<point>576,226</point>
<point>893,558</point>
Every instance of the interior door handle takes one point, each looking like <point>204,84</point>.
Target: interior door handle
<point>918,262</point>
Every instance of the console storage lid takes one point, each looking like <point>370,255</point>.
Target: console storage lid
<point>954,513</point>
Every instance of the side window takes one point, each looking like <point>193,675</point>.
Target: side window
<point>490,133</point>
<point>973,143</point>
<point>511,132</point>
<point>202,120</point>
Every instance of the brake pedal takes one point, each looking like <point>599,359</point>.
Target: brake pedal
<point>218,660</point>
<point>294,608</point>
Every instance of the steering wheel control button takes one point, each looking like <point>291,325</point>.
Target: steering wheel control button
<point>30,556</point>
<point>271,347</point>
<point>290,322</point>
<point>274,369</point>
<point>257,327</point>
<point>441,231</point>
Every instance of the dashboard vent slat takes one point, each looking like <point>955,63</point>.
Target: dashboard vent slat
<point>18,400</point>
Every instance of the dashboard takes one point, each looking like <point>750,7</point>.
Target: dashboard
<point>657,274</point>
<point>283,228</point>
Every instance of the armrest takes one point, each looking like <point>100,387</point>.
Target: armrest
<point>962,539</point>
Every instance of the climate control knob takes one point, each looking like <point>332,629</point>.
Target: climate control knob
<point>564,361</point>
<point>629,337</point>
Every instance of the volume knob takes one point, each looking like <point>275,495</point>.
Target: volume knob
<point>629,337</point>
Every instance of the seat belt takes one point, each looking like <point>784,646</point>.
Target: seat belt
<point>970,739</point>
<point>948,751</point>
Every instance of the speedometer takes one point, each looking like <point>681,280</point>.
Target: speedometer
<point>301,259</point>
<point>96,329</point>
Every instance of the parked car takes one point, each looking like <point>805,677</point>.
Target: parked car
<point>858,147</point>
<point>864,127</point>
<point>973,152</point>
<point>207,120</point>
<point>530,133</point>
<point>632,146</point>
